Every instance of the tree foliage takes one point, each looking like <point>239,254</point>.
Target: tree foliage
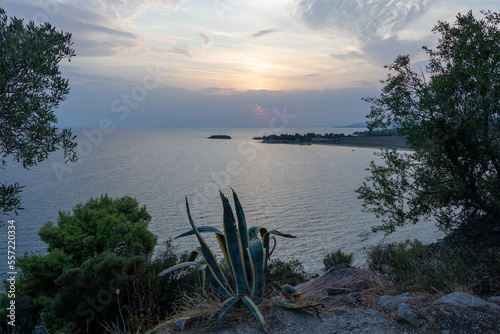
<point>450,118</point>
<point>31,86</point>
<point>101,224</point>
<point>102,246</point>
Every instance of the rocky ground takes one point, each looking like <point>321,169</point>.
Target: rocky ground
<point>353,300</point>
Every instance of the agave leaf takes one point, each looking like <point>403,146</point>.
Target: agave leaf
<point>209,257</point>
<point>194,254</point>
<point>216,283</point>
<point>242,228</point>
<point>256,256</point>
<point>223,246</point>
<point>179,266</point>
<point>171,321</point>
<point>203,276</point>
<point>255,311</point>
<point>228,303</point>
<point>265,244</point>
<point>253,231</point>
<point>201,229</point>
<point>278,233</point>
<point>235,250</point>
<point>180,323</point>
<point>292,306</point>
<point>292,292</point>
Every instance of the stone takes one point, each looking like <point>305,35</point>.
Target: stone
<point>340,311</point>
<point>342,276</point>
<point>402,307</point>
<point>338,291</point>
<point>391,302</point>
<point>410,317</point>
<point>495,299</point>
<point>463,299</point>
<point>370,312</point>
<point>327,298</point>
<point>341,300</point>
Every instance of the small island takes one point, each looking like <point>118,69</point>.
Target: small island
<point>219,137</point>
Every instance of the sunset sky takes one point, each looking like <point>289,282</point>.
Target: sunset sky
<point>230,63</point>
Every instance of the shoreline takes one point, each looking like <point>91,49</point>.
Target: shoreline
<point>366,142</point>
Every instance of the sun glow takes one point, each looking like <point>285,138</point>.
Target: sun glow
<point>257,110</point>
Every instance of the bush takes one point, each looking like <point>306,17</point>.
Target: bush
<point>291,272</point>
<point>119,225</point>
<point>452,264</point>
<point>104,246</point>
<point>334,258</point>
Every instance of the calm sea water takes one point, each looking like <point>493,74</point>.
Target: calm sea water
<point>307,191</point>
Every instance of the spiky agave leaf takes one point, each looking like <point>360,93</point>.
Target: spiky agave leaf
<point>201,229</point>
<point>256,256</point>
<point>225,306</point>
<point>242,228</point>
<point>220,237</point>
<point>178,267</point>
<point>292,292</point>
<point>217,274</point>
<point>255,311</point>
<point>173,321</point>
<point>234,248</point>
<point>292,306</point>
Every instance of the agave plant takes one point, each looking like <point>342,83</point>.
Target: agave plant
<point>246,251</point>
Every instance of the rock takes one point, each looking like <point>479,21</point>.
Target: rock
<point>402,307</point>
<point>370,312</point>
<point>392,301</point>
<point>338,291</point>
<point>341,276</point>
<point>463,299</point>
<point>409,316</point>
<point>340,311</point>
<point>341,300</point>
<point>327,298</point>
<point>494,299</point>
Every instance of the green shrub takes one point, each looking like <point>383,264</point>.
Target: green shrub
<point>332,259</point>
<point>104,245</point>
<point>291,272</point>
<point>448,265</point>
<point>104,223</point>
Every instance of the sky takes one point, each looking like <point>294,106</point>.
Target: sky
<point>234,63</point>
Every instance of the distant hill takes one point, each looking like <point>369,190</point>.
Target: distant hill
<point>355,125</point>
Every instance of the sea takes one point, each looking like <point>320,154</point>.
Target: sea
<point>304,190</point>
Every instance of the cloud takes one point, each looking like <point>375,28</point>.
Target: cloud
<point>263,32</point>
<point>312,75</point>
<point>350,55</point>
<point>366,21</point>
<point>126,9</point>
<point>94,31</point>
<point>206,39</point>
<point>183,50</point>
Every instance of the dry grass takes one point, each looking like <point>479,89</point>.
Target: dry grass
<point>201,308</point>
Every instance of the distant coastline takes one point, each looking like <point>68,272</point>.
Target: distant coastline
<point>377,139</point>
<point>375,142</point>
